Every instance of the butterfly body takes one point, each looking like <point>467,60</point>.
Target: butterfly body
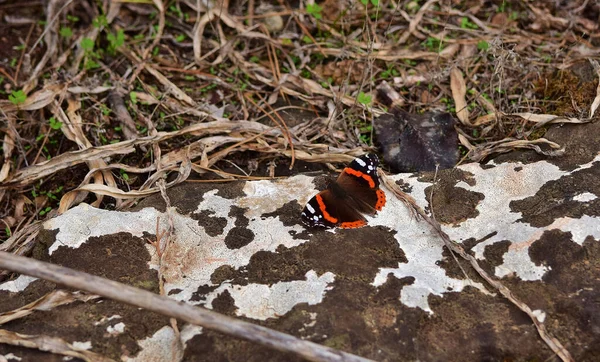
<point>345,201</point>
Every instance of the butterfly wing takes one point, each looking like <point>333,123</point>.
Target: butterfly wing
<point>355,192</point>
<point>360,183</point>
<point>329,209</point>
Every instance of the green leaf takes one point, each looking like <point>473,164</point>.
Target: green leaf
<point>87,44</point>
<point>54,124</point>
<point>100,21</point>
<point>179,38</point>
<point>314,10</point>
<point>483,45</point>
<point>17,97</point>
<point>66,32</point>
<point>133,97</point>
<point>364,98</point>
<point>465,23</point>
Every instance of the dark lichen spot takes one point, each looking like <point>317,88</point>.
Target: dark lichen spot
<point>224,304</point>
<point>202,291</point>
<point>553,201</point>
<point>288,214</point>
<point>494,254</point>
<point>238,237</point>
<point>223,273</point>
<point>213,226</point>
<point>175,291</point>
<point>239,214</point>
<point>232,190</point>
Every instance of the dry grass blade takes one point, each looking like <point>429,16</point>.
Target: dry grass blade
<point>172,308</point>
<point>50,36</point>
<point>169,86</point>
<point>8,147</point>
<point>596,102</point>
<point>69,159</point>
<point>543,119</point>
<point>459,91</point>
<point>47,302</point>
<point>551,341</point>
<point>415,21</point>
<point>49,344</point>
<point>507,145</point>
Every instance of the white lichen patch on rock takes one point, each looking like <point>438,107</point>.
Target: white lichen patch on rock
<point>502,185</point>
<point>423,249</point>
<point>17,285</point>
<point>585,197</point>
<point>259,301</point>
<point>161,346</point>
<point>263,197</point>
<point>116,329</point>
<point>84,221</point>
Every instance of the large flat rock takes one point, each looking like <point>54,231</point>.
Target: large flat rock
<point>389,291</point>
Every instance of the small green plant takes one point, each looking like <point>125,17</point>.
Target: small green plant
<point>100,21</point>
<point>390,72</point>
<point>133,97</point>
<point>465,23</point>
<point>483,45</point>
<point>104,109</point>
<point>115,41</point>
<point>364,98</point>
<point>17,97</point>
<point>72,18</point>
<point>179,38</point>
<point>433,44</point>
<point>66,32</point>
<point>314,10</point>
<point>175,11</point>
<point>45,211</point>
<point>87,45</point>
<point>124,175</point>
<point>54,123</point>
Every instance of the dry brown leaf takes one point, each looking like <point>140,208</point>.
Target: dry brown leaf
<point>49,344</point>
<point>88,90</point>
<point>35,101</point>
<point>47,302</point>
<point>546,118</point>
<point>7,149</point>
<point>459,91</point>
<point>485,119</point>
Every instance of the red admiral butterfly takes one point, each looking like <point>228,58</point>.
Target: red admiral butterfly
<point>355,192</point>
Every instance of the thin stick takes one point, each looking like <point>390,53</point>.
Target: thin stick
<point>172,308</point>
